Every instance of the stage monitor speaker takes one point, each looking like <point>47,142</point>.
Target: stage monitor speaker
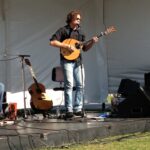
<point>128,87</point>
<point>147,81</point>
<point>136,102</point>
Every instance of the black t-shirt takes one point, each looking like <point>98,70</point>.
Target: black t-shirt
<point>66,32</point>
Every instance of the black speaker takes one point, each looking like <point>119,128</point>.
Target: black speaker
<point>147,81</point>
<point>135,101</point>
<point>128,87</point>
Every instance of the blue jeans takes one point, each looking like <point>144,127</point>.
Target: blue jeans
<point>73,72</point>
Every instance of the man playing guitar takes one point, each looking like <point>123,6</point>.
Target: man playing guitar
<point>70,39</point>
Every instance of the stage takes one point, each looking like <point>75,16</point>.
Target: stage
<point>35,132</point>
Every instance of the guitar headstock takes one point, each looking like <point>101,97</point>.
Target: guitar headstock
<point>27,61</point>
<point>110,30</point>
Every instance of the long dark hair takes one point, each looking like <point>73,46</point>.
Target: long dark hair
<point>71,15</point>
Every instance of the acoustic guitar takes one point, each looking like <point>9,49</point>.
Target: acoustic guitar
<point>39,99</point>
<point>79,45</point>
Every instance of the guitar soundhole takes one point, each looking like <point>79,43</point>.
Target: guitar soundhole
<point>77,45</point>
<point>38,90</point>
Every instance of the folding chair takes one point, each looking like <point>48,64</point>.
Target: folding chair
<point>58,76</point>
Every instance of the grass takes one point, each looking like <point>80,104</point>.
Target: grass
<point>135,141</point>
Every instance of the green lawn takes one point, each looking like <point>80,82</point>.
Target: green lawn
<point>136,141</point>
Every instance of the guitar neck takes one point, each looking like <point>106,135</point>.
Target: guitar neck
<point>106,32</point>
<point>98,36</point>
<point>35,81</point>
<point>33,74</point>
<point>101,34</point>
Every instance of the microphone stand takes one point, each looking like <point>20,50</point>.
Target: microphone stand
<point>83,96</point>
<point>24,86</point>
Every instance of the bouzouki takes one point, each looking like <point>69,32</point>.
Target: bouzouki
<point>79,45</point>
<point>39,99</point>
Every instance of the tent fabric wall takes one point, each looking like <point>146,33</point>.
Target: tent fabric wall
<point>129,48</point>
<point>26,28</point>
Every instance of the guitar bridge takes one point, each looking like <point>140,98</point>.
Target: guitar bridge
<point>78,45</point>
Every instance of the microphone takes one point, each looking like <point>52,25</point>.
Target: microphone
<point>24,55</point>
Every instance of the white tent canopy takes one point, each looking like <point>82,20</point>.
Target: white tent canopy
<point>27,25</point>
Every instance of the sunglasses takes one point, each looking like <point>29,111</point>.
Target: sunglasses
<point>78,18</point>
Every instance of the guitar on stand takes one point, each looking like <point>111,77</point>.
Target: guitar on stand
<point>79,45</point>
<point>39,99</point>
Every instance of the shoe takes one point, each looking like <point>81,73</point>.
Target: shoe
<point>2,116</point>
<point>79,113</point>
<point>69,115</point>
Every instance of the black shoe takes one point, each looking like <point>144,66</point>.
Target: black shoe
<point>2,117</point>
<point>69,115</point>
<point>79,113</point>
